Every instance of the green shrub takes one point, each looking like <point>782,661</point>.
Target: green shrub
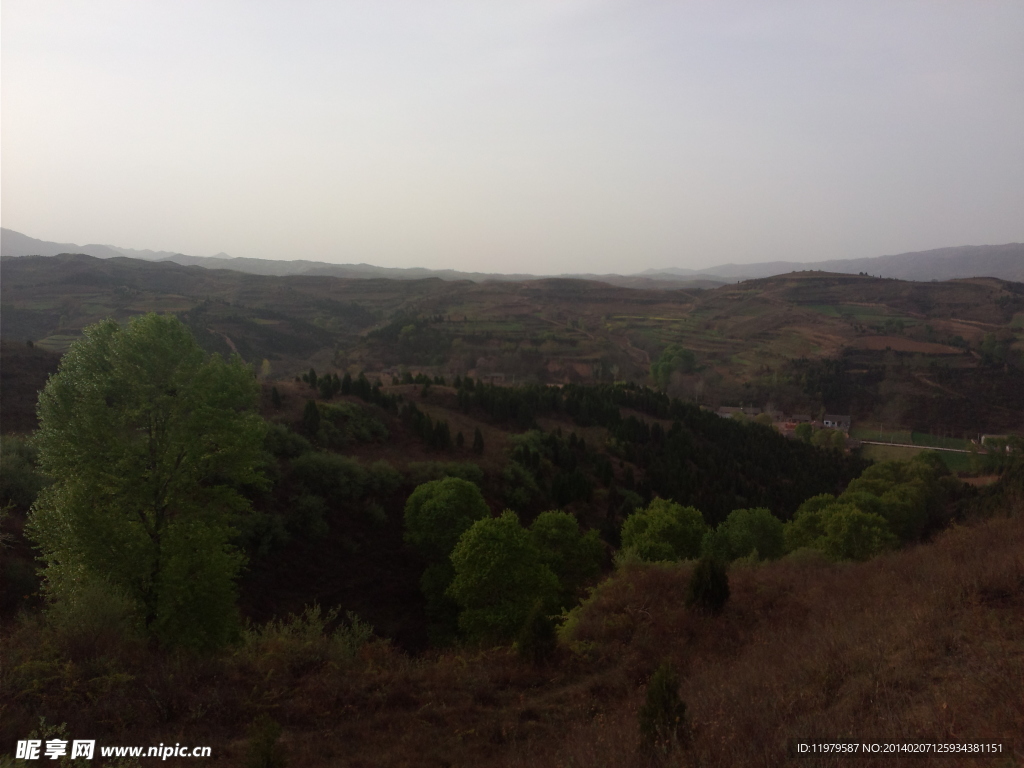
<point>663,714</point>
<point>336,479</point>
<point>283,443</point>
<point>263,750</point>
<point>664,531</point>
<point>708,590</point>
<point>302,642</point>
<point>97,621</point>
<point>345,423</point>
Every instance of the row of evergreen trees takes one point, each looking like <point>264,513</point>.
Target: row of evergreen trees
<point>435,432</point>
<point>328,385</point>
<point>663,447</point>
<point>680,451</point>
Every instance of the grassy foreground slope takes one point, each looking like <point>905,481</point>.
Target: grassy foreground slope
<point>922,644</point>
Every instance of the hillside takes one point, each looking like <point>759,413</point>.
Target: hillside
<point>921,645</point>
<point>938,357</point>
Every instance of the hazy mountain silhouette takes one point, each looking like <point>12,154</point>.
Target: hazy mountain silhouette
<point>16,244</point>
<point>1002,261</point>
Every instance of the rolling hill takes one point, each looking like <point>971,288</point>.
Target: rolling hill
<point>930,356</point>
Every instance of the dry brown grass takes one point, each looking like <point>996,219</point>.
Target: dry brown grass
<point>921,644</point>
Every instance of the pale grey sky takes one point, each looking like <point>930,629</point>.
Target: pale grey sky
<point>542,136</point>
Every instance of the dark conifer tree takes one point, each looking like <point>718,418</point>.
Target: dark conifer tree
<point>311,418</point>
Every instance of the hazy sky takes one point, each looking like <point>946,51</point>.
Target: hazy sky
<point>548,136</point>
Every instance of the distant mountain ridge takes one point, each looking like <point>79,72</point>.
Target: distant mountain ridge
<point>16,244</point>
<point>1002,261</point>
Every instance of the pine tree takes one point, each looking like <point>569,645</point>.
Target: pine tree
<point>311,418</point>
<point>708,591</point>
<point>478,441</point>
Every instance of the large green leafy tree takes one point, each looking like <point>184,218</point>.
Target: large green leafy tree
<point>573,556</point>
<point>664,531</point>
<point>149,442</point>
<point>500,576</point>
<point>747,532</point>
<point>437,513</point>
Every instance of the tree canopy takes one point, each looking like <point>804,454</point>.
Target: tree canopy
<point>573,556</point>
<point>891,502</point>
<point>664,530</point>
<point>747,532</point>
<point>499,578</point>
<point>150,443</point>
<point>437,513</point>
